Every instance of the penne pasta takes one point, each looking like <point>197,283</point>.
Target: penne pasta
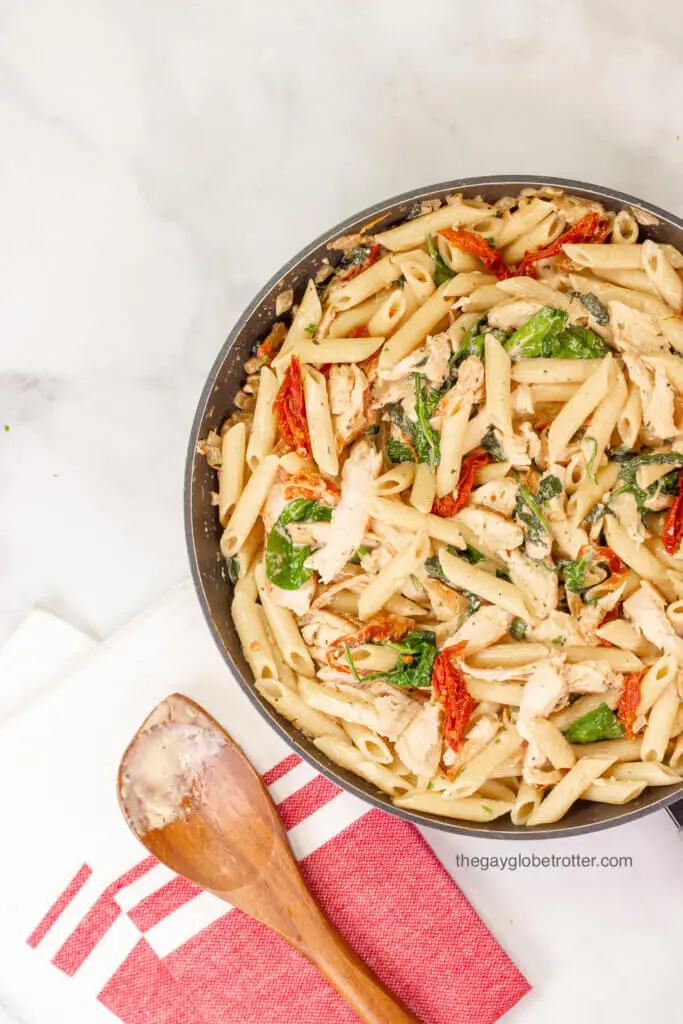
<point>561,797</point>
<point>264,426</point>
<point>452,525</point>
<point>248,506</point>
<point>231,473</point>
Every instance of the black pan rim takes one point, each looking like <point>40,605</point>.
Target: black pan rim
<point>345,782</point>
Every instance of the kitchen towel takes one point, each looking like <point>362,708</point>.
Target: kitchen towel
<point>95,929</point>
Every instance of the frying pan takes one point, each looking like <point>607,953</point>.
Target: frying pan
<point>203,531</point>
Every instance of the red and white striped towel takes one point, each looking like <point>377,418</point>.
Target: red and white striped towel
<point>121,932</point>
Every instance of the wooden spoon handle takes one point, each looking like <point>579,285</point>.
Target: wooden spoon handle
<point>322,944</point>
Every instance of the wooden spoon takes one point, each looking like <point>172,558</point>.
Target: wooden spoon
<point>193,799</point>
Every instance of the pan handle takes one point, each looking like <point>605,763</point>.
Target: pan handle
<point>676,813</point>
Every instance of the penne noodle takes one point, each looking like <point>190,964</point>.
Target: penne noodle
<point>527,800</point>
<point>554,371</point>
<point>607,257</point>
<point>613,791</point>
<point>498,375</point>
<point>253,637</point>
<point>569,789</point>
<point>344,753</point>
<point>552,743</point>
<point>359,316</point>
<point>467,577</point>
<point>320,422</point>
<point>649,772</point>
<point>248,506</point>
<point>397,514</point>
<point>290,705</point>
<point>370,744</point>
<point>368,282</point>
<point>413,332</point>
<point>578,408</point>
<point>453,432</point>
<point>231,473</point>
<point>469,809</point>
<point>414,232</point>
<point>662,276</point>
<point>264,427</point>
<point>395,480</point>
<point>660,724</point>
<point>424,488</point>
<point>409,560</point>
<point>332,350</point>
<point>284,629</point>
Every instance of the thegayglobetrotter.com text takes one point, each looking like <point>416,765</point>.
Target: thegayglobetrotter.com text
<point>526,861</point>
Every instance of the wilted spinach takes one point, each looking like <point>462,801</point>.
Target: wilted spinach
<point>599,724</point>
<point>285,560</point>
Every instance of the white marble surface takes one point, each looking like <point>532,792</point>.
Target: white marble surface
<point>160,160</point>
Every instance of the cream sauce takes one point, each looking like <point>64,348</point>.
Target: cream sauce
<point>163,770</point>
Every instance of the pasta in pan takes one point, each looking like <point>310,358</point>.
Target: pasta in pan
<point>452,504</point>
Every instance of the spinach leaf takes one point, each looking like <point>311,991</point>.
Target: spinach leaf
<point>533,340</point>
<point>426,438</point>
<point>233,569</point>
<point>599,724</point>
<point>595,307</point>
<point>503,574</point>
<point>574,572</point>
<point>285,560</point>
<point>620,454</point>
<point>355,257</point>
<point>668,485</point>
<point>442,272</point>
<point>630,464</point>
<point>491,444</point>
<point>528,512</point>
<point>471,555</point>
<point>417,653</point>
<point>578,343</point>
<point>398,451</point>
<point>471,345</point>
<point>433,569</point>
<point>372,430</point>
<point>518,629</point>
<point>597,513</point>
<point>549,487</point>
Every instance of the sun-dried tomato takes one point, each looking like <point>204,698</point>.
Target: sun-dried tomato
<point>627,708</point>
<point>673,528</point>
<point>290,409</point>
<point>606,555</point>
<point>451,689</point>
<point>476,245</point>
<point>591,228</point>
<point>388,627</point>
<point>451,504</point>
